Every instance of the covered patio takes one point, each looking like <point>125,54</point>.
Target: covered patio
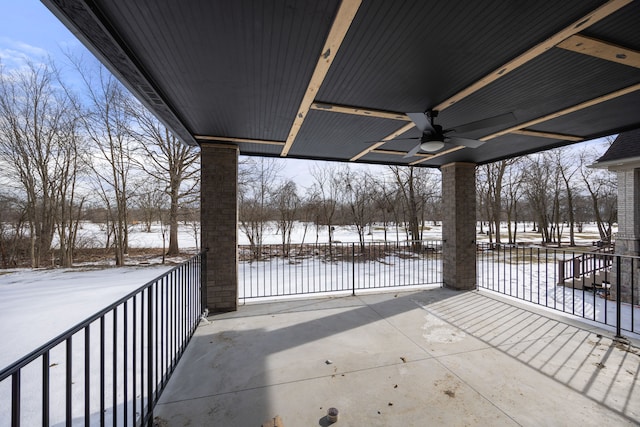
<point>431,357</point>
<point>370,82</point>
<point>446,85</point>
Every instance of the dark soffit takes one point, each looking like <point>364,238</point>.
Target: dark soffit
<point>237,72</point>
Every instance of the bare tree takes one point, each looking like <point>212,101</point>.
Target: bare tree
<point>418,189</point>
<point>39,144</point>
<point>149,201</point>
<point>358,198</point>
<point>492,194</point>
<point>386,203</point>
<point>255,193</point>
<point>287,202</point>
<point>326,189</point>
<point>602,188</point>
<point>512,195</point>
<point>70,202</point>
<point>537,175</point>
<point>567,169</point>
<point>168,161</point>
<point>407,187</point>
<point>13,225</point>
<point>108,122</point>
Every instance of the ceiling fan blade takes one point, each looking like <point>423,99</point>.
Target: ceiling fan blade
<point>466,142</point>
<point>421,121</point>
<point>412,152</point>
<point>501,119</point>
<point>413,138</point>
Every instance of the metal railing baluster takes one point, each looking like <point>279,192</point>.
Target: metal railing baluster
<point>133,371</point>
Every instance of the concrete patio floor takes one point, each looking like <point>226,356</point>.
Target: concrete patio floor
<point>432,357</point>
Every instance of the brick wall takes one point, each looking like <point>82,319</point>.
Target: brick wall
<point>459,225</point>
<point>219,219</point>
<point>628,238</point>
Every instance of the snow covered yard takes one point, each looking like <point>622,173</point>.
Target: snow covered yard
<point>105,363</point>
<point>38,305</point>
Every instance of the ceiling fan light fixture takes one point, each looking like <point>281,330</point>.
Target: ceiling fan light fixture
<point>431,146</point>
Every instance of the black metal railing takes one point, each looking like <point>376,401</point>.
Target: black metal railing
<point>300,269</point>
<point>111,368</point>
<point>603,287</point>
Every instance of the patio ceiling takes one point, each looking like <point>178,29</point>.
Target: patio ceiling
<point>333,79</point>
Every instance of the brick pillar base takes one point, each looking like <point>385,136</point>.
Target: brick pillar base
<point>219,224</point>
<point>459,225</point>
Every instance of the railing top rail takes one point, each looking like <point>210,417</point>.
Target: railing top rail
<point>603,254</point>
<point>342,242</point>
<point>20,363</point>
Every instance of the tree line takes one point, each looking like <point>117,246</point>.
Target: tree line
<point>555,192</point>
<point>91,150</point>
<point>339,195</point>
<point>67,148</point>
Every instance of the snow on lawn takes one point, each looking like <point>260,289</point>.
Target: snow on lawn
<point>279,276</point>
<point>531,276</point>
<point>38,305</point>
<point>92,235</point>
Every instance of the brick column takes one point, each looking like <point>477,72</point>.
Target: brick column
<point>459,225</point>
<point>628,238</point>
<point>219,224</point>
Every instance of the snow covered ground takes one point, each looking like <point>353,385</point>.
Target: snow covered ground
<point>37,305</point>
<point>93,235</point>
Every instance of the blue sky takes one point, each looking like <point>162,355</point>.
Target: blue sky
<point>29,29</point>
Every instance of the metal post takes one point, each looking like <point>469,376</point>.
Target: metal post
<point>353,269</point>
<point>203,280</point>
<point>618,296</point>
<point>68,380</point>
<point>150,356</point>
<point>15,399</point>
<point>45,388</point>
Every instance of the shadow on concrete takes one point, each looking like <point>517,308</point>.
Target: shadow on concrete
<point>233,367</point>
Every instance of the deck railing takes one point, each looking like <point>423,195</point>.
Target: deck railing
<point>111,368</point>
<point>304,269</point>
<point>603,287</point>
<point>584,264</point>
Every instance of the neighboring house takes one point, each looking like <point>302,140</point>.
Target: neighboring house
<point>623,157</point>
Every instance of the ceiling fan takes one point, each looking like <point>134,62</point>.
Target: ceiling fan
<point>434,138</point>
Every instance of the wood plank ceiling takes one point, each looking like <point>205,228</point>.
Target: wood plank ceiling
<point>334,79</point>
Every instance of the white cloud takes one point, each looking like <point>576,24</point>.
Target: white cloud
<point>15,54</point>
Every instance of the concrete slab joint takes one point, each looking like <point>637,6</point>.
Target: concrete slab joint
<point>459,225</point>
<point>219,219</point>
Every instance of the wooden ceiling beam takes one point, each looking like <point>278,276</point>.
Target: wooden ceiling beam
<point>566,111</point>
<point>238,140</point>
<point>383,141</point>
<point>586,21</point>
<point>579,25</point>
<point>345,109</point>
<point>399,153</point>
<point>550,135</point>
<point>603,50</point>
<point>433,156</point>
<point>346,12</point>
